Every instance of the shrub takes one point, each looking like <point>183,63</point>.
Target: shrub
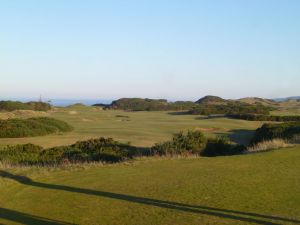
<point>23,154</point>
<point>106,149</point>
<point>194,142</point>
<point>190,143</point>
<point>221,146</point>
<point>38,126</point>
<point>94,150</point>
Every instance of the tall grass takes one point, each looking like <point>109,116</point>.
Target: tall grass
<point>268,145</point>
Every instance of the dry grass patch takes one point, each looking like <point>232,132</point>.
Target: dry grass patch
<point>268,145</point>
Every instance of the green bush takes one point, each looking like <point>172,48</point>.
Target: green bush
<point>194,142</point>
<point>94,150</point>
<point>38,126</point>
<point>190,143</point>
<point>105,149</point>
<point>279,130</point>
<point>21,154</point>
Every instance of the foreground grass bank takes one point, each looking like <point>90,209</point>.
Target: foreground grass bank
<point>247,189</point>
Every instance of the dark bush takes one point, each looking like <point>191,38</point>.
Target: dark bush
<point>221,146</point>
<point>229,109</point>
<point>259,117</point>
<point>279,130</point>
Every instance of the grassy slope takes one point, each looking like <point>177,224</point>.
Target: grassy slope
<point>141,128</point>
<point>267,184</point>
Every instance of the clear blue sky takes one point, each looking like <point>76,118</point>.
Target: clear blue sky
<point>156,48</point>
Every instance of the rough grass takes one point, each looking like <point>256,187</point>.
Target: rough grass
<point>247,189</point>
<point>24,114</point>
<point>268,145</point>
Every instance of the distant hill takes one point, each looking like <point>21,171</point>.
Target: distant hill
<point>146,104</point>
<point>206,106</point>
<point>77,105</point>
<point>287,99</point>
<point>255,100</point>
<point>211,100</point>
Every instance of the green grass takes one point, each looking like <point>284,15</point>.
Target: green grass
<point>246,189</point>
<point>140,128</point>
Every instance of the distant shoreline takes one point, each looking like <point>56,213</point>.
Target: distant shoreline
<point>65,102</point>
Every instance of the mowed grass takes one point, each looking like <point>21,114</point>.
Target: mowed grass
<point>139,128</point>
<point>247,189</point>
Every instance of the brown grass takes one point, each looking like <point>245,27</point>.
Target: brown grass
<point>268,145</point>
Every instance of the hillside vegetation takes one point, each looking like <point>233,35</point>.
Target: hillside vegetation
<point>140,104</point>
<point>262,101</point>
<point>38,126</point>
<point>211,105</point>
<point>210,99</point>
<point>16,105</point>
<point>230,108</point>
<point>207,105</point>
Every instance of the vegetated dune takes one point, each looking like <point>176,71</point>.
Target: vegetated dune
<point>255,100</point>
<point>209,99</point>
<point>38,126</point>
<point>208,105</point>
<point>146,104</point>
<point>21,114</point>
<point>16,105</point>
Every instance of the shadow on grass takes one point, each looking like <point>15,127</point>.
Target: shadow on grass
<point>204,210</point>
<point>23,218</point>
<point>179,113</point>
<point>210,117</point>
<point>241,136</point>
